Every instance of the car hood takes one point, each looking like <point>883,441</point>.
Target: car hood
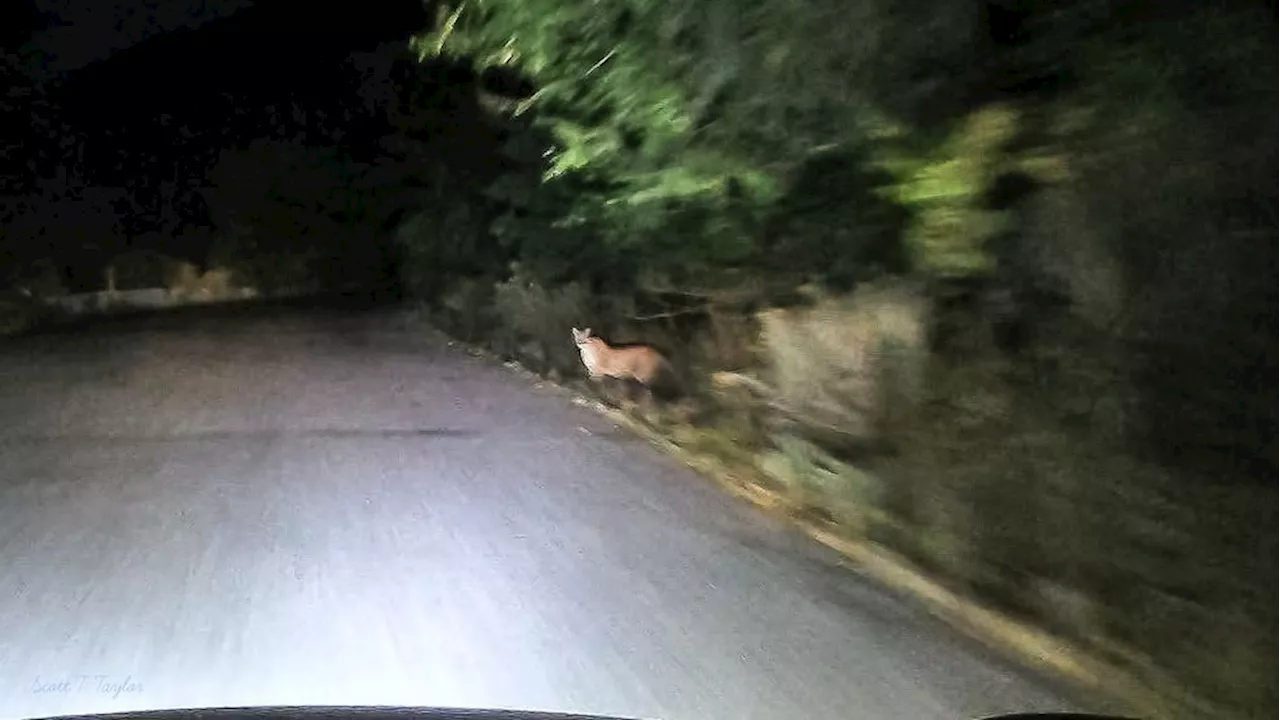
<point>378,712</point>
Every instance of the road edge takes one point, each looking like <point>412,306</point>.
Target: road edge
<point>1117,687</point>
<point>1014,639</point>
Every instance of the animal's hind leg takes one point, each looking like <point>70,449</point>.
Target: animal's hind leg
<point>629,392</point>
<point>648,403</point>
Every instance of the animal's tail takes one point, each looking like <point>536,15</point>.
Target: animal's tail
<point>671,384</point>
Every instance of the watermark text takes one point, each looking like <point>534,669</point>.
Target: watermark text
<point>110,685</point>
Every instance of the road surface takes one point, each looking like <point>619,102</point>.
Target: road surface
<point>288,506</point>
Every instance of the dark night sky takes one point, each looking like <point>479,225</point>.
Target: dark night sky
<point>75,33</point>
<point>217,79</point>
<point>63,36</point>
<point>129,62</point>
<point>154,90</point>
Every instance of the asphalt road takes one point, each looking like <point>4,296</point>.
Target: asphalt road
<point>287,506</point>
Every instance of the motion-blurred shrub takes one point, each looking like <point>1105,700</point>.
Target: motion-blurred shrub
<point>41,278</point>
<point>138,269</point>
<point>823,484</point>
<point>256,264</point>
<point>186,281</point>
<point>17,313</point>
<point>438,246</point>
<point>466,308</point>
<point>535,322</point>
<point>849,366</point>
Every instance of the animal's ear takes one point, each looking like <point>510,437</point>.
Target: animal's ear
<point>586,332</point>
<point>577,334</point>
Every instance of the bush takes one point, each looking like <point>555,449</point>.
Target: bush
<point>535,322</point>
<point>466,308</point>
<point>849,365</point>
<point>1015,484</point>
<point>139,269</point>
<point>437,247</point>
<point>17,314</point>
<point>42,278</point>
<point>821,483</point>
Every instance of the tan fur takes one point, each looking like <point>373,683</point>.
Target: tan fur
<point>639,362</point>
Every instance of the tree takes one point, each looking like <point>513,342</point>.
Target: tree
<point>289,214</point>
<point>683,125</point>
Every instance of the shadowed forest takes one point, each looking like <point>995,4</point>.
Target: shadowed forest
<point>989,284</point>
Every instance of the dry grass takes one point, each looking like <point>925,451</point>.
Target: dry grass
<point>845,363</point>
<point>185,280</point>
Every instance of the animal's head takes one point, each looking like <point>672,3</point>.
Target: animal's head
<point>580,337</point>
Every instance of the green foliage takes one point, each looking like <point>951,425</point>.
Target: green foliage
<point>436,249</point>
<point>946,190</point>
<point>819,481</point>
<point>690,122</point>
<point>837,225</point>
<point>598,85</point>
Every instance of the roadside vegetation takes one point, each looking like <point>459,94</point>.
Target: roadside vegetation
<point>989,285</point>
